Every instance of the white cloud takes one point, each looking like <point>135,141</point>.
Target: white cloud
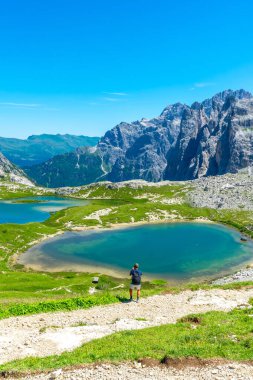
<point>51,109</point>
<point>115,93</point>
<point>93,103</point>
<point>203,84</point>
<point>111,99</point>
<point>20,105</point>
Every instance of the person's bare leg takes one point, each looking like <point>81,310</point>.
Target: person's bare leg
<point>131,293</point>
<point>138,293</point>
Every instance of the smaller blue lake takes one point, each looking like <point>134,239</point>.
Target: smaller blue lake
<point>178,252</point>
<point>34,209</point>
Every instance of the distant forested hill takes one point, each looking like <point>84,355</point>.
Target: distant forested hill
<point>76,168</point>
<point>39,148</point>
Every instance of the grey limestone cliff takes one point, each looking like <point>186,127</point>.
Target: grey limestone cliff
<point>185,142</point>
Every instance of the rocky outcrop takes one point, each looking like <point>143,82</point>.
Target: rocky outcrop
<point>10,172</point>
<point>185,142</point>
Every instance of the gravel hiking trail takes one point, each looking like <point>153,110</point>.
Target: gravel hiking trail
<point>53,333</point>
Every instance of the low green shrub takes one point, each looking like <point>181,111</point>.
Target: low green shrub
<point>61,305</point>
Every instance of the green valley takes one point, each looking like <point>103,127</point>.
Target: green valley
<point>27,292</point>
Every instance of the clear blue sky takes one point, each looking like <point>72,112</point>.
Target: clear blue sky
<point>82,66</point>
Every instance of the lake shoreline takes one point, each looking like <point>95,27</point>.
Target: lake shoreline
<point>115,226</point>
<point>238,275</point>
<point>118,272</point>
<point>34,209</point>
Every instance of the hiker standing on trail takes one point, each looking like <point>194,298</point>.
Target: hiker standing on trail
<point>136,282</point>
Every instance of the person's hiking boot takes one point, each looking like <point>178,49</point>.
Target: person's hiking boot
<point>138,299</point>
<point>130,299</point>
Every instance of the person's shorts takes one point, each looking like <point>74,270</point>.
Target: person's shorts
<point>136,287</point>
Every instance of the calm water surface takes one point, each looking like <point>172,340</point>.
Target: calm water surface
<point>179,252</point>
<point>34,209</point>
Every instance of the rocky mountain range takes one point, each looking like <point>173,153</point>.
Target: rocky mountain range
<point>10,173</point>
<point>185,142</point>
<point>39,148</point>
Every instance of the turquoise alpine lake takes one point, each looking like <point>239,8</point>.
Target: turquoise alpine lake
<point>176,251</point>
<point>34,209</point>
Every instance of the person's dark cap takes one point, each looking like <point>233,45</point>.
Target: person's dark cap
<point>136,265</point>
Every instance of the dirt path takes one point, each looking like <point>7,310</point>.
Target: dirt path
<point>128,371</point>
<point>52,333</point>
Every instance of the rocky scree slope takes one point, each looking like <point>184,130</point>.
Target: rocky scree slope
<point>185,142</point>
<point>9,172</point>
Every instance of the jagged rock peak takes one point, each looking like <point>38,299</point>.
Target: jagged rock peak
<point>174,110</point>
<point>177,109</point>
<point>237,94</point>
<point>221,97</point>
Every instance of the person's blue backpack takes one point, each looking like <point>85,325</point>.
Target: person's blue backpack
<point>136,278</point>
